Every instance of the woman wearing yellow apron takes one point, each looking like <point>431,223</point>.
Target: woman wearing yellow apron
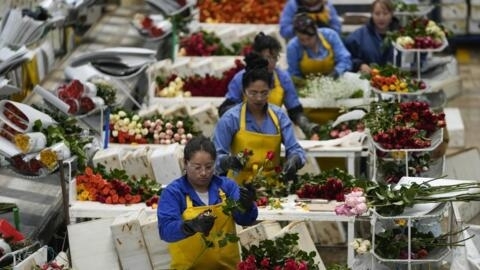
<point>321,11</point>
<point>190,212</point>
<point>282,92</point>
<point>317,51</point>
<point>258,126</point>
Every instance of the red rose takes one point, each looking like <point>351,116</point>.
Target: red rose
<point>265,262</point>
<point>290,264</point>
<point>270,155</point>
<point>302,266</point>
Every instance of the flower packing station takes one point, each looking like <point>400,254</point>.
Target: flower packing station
<point>100,99</point>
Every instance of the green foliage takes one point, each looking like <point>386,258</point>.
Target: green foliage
<point>107,92</point>
<point>280,249</point>
<point>393,243</point>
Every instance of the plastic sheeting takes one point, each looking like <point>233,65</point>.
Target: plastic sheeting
<point>467,256</point>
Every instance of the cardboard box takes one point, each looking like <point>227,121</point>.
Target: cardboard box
<point>474,25</point>
<point>457,26</point>
<point>111,158</point>
<point>455,127</point>
<point>91,245</point>
<point>157,248</point>
<point>167,163</point>
<point>454,11</point>
<point>177,110</point>
<point>475,11</point>
<point>206,118</point>
<point>137,163</point>
<point>129,242</point>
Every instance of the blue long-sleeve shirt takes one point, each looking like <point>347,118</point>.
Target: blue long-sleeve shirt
<point>229,124</point>
<point>366,46</point>
<point>172,203</point>
<point>295,51</point>
<point>290,99</point>
<point>290,10</point>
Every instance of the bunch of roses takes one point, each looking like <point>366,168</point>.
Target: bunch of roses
<point>355,204</point>
<point>361,246</point>
<point>250,263</point>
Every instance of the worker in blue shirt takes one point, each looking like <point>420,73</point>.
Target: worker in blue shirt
<point>191,211</point>
<point>366,44</point>
<point>258,126</point>
<point>316,50</point>
<point>322,12</point>
<point>283,90</point>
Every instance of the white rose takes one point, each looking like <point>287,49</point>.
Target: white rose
<point>361,249</point>
<point>355,244</point>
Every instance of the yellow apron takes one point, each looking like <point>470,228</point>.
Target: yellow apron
<point>323,115</point>
<point>322,16</point>
<point>276,94</point>
<point>314,66</point>
<point>259,143</point>
<point>192,252</point>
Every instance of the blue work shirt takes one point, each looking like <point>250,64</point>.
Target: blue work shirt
<point>290,10</point>
<point>229,124</point>
<point>295,51</point>
<point>366,46</point>
<point>290,99</point>
<point>172,204</point>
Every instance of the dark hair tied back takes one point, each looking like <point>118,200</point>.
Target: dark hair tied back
<point>302,23</point>
<point>199,143</point>
<point>266,42</point>
<point>256,69</point>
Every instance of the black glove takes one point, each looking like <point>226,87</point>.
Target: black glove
<point>230,162</point>
<point>290,168</point>
<point>247,197</point>
<point>334,74</point>
<point>307,127</point>
<point>203,223</point>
